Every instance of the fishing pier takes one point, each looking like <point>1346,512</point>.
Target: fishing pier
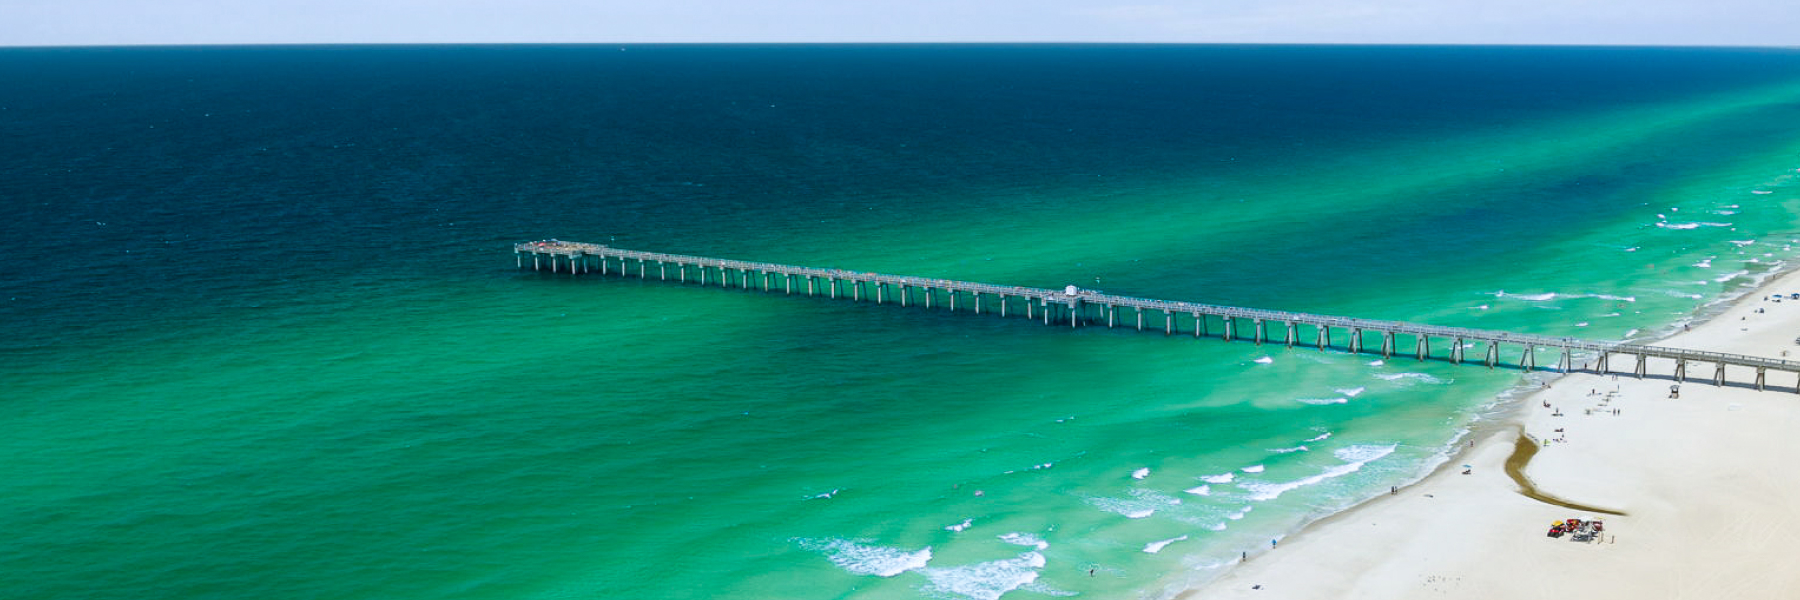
<point>1077,307</point>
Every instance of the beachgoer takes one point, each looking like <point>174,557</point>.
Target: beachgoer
<point>1272,543</point>
<point>1467,471</point>
<point>1393,490</point>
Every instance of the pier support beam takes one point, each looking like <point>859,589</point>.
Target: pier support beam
<point>1168,323</point>
<point>1719,374</point>
<point>1529,360</point>
<point>1259,332</point>
<point>1387,344</point>
<point>1567,362</point>
<point>1760,372</point>
<point>1324,336</point>
<point>1229,326</point>
<point>1680,370</point>
<point>1456,352</point>
<point>928,294</point>
<point>952,298</point>
<point>1493,355</point>
<point>1293,334</point>
<point>1355,341</point>
<point>1424,345</point>
<point>1601,362</point>
<point>1199,324</point>
<point>1641,367</point>
<point>975,299</point>
<point>1140,317</point>
<point>1002,306</point>
<point>1112,314</point>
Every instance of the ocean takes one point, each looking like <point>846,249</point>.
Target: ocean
<point>263,334</point>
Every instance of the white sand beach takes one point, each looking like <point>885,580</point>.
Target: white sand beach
<point>1709,483</point>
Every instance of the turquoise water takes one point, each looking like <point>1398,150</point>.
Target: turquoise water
<point>263,335</point>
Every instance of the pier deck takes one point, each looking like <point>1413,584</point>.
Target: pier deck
<point>1076,306</point>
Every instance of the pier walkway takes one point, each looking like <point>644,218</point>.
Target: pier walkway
<point>1076,307</point>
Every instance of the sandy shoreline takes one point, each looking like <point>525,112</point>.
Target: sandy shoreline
<point>1704,482</point>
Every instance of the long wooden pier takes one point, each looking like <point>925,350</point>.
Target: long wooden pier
<point>1076,307</point>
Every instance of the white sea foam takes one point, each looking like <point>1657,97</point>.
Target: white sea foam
<point>1377,362</point>
<point>1155,547</point>
<point>1202,490</point>
<point>1323,401</point>
<point>1322,436</point>
<point>825,495</point>
<point>1265,361</point>
<point>1705,264</point>
<point>1141,473</point>
<point>1532,297</point>
<point>1039,587</point>
<point>1218,527</point>
<point>1239,515</point>
<point>1632,249</point>
<point>1354,458</point>
<point>1725,212</point>
<point>1694,225</point>
<point>1582,324</point>
<point>862,558</point>
<point>1154,496</point>
<point>1364,453</point>
<point>1252,469</point>
<point>1419,377</point>
<point>1300,448</point>
<point>984,581</point>
<point>1020,538</point>
<point>1762,192</point>
<point>960,526</point>
<point>1222,478</point>
<point>1729,276</point>
<point>1143,503</point>
<point>1351,392</point>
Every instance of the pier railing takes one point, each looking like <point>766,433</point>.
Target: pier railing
<point>1076,306</point>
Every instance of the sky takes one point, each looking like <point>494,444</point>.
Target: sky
<point>1607,22</point>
